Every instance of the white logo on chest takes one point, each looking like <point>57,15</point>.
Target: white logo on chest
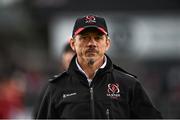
<point>68,95</point>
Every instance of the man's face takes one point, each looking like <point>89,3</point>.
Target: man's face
<point>90,44</point>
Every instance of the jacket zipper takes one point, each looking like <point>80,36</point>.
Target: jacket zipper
<point>107,113</point>
<point>92,102</point>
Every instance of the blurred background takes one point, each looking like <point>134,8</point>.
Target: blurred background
<point>145,41</point>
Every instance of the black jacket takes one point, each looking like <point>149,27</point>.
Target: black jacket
<point>113,93</point>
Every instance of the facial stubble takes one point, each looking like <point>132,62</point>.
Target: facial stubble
<point>91,62</point>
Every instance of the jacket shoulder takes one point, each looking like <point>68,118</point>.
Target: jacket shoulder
<point>123,71</point>
<point>55,78</point>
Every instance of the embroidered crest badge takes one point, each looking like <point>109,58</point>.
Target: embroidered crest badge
<point>90,19</point>
<point>113,90</point>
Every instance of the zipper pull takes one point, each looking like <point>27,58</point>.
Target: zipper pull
<point>107,113</point>
<point>91,92</point>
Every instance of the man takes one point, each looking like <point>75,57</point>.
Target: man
<point>93,87</point>
<point>66,57</point>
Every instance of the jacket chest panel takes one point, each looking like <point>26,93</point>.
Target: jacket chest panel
<point>75,101</point>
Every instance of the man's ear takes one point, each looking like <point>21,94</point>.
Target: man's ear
<point>72,42</point>
<point>108,43</point>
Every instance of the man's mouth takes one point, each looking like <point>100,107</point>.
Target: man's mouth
<point>91,50</point>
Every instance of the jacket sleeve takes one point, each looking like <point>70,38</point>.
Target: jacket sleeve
<point>141,106</point>
<point>45,109</point>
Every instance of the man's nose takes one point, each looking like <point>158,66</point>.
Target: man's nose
<point>92,41</point>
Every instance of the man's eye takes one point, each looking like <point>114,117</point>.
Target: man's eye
<point>84,37</point>
<point>98,37</point>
